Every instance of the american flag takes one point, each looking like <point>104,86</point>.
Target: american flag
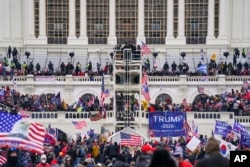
<point>145,49</point>
<point>184,102</point>
<point>27,134</point>
<point>107,93</point>
<point>186,127</point>
<point>2,160</point>
<point>102,92</point>
<point>144,87</point>
<point>200,89</point>
<point>91,101</point>
<point>52,131</point>
<point>245,84</point>
<point>24,114</point>
<point>79,124</point>
<point>128,139</point>
<point>193,126</point>
<point>194,130</point>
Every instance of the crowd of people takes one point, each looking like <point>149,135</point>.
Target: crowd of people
<point>93,152</point>
<point>11,65</point>
<point>235,101</point>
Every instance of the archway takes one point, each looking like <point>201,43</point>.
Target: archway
<point>86,97</point>
<point>163,99</point>
<point>200,97</point>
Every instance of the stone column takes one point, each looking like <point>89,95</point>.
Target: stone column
<point>83,23</point>
<point>6,22</point>
<point>28,23</point>
<point>181,23</point>
<point>42,21</point>
<point>170,23</point>
<point>112,40</point>
<point>72,23</point>
<point>222,38</point>
<point>141,35</point>
<point>210,23</point>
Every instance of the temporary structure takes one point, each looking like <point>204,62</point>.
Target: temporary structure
<point>117,136</point>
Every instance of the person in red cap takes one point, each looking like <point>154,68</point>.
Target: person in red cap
<point>144,158</point>
<point>178,154</point>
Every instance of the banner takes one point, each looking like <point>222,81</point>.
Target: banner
<point>245,139</point>
<point>45,78</point>
<point>222,128</point>
<point>193,143</point>
<point>167,124</point>
<point>22,133</point>
<point>238,128</point>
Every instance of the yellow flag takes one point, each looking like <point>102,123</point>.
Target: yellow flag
<point>144,104</point>
<point>213,57</point>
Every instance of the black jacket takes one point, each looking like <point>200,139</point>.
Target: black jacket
<point>18,164</point>
<point>216,160</point>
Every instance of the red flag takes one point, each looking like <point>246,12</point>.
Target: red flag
<point>145,49</point>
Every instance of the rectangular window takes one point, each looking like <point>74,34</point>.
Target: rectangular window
<point>155,12</point>
<point>77,13</point>
<point>57,18</point>
<point>196,15</point>
<point>36,18</point>
<point>98,21</point>
<point>216,17</point>
<point>126,21</point>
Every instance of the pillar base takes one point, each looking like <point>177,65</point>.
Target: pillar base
<point>42,40</point>
<point>210,40</point>
<point>221,40</point>
<point>32,40</point>
<point>112,40</point>
<point>180,40</point>
<point>140,39</point>
<point>82,40</point>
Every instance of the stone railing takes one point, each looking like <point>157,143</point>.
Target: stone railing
<point>152,79</point>
<point>242,119</point>
<point>110,114</point>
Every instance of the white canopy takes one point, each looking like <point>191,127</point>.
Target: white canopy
<point>117,137</point>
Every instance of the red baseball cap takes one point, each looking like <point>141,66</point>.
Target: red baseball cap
<point>147,147</point>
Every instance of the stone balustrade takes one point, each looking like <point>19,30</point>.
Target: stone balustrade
<point>63,120</point>
<point>137,114</point>
<point>152,79</point>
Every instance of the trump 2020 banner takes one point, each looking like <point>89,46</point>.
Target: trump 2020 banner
<point>245,139</point>
<point>222,128</point>
<point>167,123</point>
<point>238,128</point>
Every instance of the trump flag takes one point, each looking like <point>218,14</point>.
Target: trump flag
<point>21,133</point>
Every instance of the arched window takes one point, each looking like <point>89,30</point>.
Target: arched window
<point>163,99</point>
<point>86,97</point>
